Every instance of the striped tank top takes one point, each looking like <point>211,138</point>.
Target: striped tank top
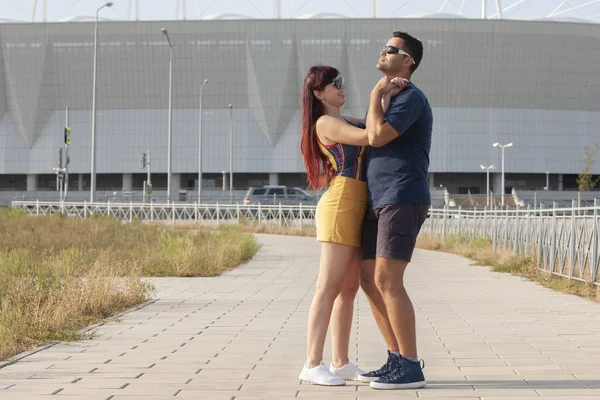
<point>347,160</point>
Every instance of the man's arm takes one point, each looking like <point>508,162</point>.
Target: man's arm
<point>380,132</point>
<point>405,110</point>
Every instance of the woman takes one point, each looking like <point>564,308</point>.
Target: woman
<point>333,150</point>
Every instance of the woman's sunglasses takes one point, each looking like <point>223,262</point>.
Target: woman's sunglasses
<point>337,82</point>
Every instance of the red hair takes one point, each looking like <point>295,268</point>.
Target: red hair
<point>318,168</point>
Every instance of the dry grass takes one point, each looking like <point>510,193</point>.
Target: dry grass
<point>503,260</point>
<point>253,227</point>
<point>58,275</point>
<point>306,231</point>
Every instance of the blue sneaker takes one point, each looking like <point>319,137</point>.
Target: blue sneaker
<point>407,375</point>
<point>389,366</point>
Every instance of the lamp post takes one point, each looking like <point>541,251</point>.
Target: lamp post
<point>503,146</point>
<point>230,153</point>
<point>487,185</point>
<point>93,167</point>
<point>200,141</point>
<point>164,31</point>
<point>547,180</point>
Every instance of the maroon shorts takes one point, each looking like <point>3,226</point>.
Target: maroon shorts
<point>391,231</point>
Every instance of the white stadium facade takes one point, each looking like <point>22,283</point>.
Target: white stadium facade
<point>533,83</point>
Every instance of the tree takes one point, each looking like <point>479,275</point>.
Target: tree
<point>585,180</point>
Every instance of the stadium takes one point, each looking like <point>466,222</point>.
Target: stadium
<point>531,82</point>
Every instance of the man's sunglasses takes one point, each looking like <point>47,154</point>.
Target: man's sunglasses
<point>337,82</point>
<point>389,49</point>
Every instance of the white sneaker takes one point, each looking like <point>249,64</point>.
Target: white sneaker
<point>320,375</point>
<point>348,372</point>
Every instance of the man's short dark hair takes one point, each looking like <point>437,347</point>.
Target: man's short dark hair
<point>413,46</point>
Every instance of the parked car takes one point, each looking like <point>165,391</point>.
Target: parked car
<point>270,195</point>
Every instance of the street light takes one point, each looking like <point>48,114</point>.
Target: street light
<point>200,142</point>
<point>164,31</point>
<point>230,153</point>
<point>487,186</point>
<point>502,146</point>
<point>93,168</point>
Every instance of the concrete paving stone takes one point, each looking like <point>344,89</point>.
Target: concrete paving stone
<point>388,395</point>
<point>433,376</point>
<point>557,383</point>
<point>34,389</point>
<point>481,370</point>
<point>73,390</point>
<point>27,368</point>
<point>157,388</point>
<point>20,396</point>
<point>473,355</point>
<point>258,397</point>
<point>433,393</point>
<point>539,369</point>
<point>341,396</point>
<point>513,347</point>
<point>501,397</point>
<point>247,329</point>
<point>228,394</point>
<point>237,376</point>
<point>454,347</point>
<point>513,354</point>
<point>139,397</point>
<point>563,376</point>
<point>575,393</point>
<point>492,376</point>
<point>508,393</point>
<point>485,362</point>
<point>533,362</point>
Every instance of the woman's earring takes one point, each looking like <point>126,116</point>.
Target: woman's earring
<point>323,101</point>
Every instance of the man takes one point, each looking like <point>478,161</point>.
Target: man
<point>399,197</point>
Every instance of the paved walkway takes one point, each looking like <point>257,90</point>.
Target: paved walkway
<point>241,336</point>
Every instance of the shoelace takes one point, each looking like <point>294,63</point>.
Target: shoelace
<point>401,365</point>
<point>385,368</point>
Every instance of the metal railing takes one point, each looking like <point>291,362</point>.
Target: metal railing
<point>563,240</point>
<point>282,216</point>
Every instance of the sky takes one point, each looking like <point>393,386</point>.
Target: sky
<point>198,9</point>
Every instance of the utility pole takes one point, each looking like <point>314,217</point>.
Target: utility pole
<point>62,171</point>
<point>145,163</point>
<point>67,158</point>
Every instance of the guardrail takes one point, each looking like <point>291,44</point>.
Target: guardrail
<point>564,240</point>
<point>214,214</point>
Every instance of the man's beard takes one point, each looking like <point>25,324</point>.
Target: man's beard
<point>382,67</point>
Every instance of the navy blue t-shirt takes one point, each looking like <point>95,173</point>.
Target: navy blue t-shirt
<point>397,172</point>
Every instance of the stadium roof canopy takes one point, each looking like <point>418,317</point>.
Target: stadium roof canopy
<point>582,11</point>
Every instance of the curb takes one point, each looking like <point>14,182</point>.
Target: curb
<point>16,358</point>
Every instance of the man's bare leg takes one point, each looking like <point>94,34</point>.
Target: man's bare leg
<point>389,278</point>
<point>367,282</point>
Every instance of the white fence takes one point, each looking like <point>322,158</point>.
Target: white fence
<point>283,216</point>
<point>565,241</point>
